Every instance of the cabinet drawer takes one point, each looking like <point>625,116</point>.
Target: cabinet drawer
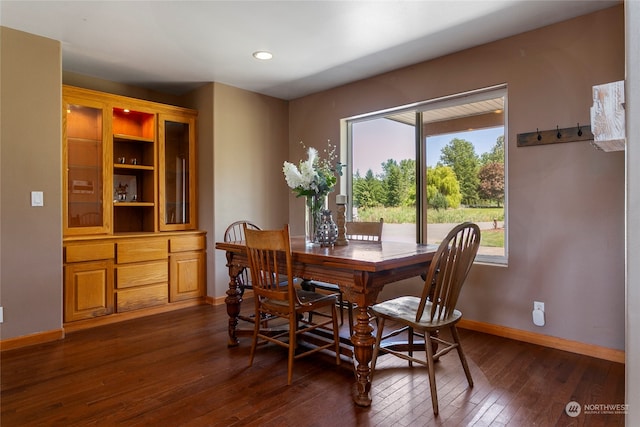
<point>186,243</point>
<point>142,250</point>
<point>89,252</point>
<point>141,274</point>
<point>142,297</point>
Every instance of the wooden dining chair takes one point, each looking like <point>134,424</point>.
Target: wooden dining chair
<point>275,294</point>
<point>425,316</point>
<point>364,231</point>
<point>235,233</point>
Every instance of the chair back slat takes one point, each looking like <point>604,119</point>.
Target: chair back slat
<point>235,233</point>
<point>448,271</point>
<point>269,254</point>
<point>235,230</point>
<point>366,231</point>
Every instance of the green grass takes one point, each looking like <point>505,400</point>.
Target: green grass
<point>493,238</point>
<point>403,215</point>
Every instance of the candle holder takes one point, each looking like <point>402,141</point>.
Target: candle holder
<point>341,221</point>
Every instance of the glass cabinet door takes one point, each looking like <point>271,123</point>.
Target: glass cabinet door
<point>177,173</point>
<point>84,160</point>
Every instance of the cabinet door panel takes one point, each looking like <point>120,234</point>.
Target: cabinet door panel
<point>186,275</point>
<point>85,160</point>
<point>177,173</point>
<point>88,290</point>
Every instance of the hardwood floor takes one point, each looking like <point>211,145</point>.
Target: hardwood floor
<point>174,369</point>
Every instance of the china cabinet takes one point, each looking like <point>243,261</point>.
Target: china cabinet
<point>131,243</point>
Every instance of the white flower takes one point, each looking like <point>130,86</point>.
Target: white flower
<point>311,178</point>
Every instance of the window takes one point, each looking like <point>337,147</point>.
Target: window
<point>425,179</point>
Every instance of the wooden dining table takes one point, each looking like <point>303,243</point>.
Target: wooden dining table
<point>360,269</point>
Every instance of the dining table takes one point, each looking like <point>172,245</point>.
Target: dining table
<point>360,269</point>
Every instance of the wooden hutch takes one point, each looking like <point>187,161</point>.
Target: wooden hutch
<point>131,245</point>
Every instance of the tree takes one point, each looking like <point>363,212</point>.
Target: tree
<point>491,185</point>
<point>392,183</point>
<point>399,182</point>
<point>367,191</point>
<point>461,156</point>
<point>496,154</point>
<point>442,183</point>
<point>408,176</point>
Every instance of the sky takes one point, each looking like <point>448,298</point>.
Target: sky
<point>376,141</point>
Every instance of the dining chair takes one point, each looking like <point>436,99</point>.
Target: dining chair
<point>235,233</point>
<point>436,309</point>
<point>363,231</point>
<point>275,294</point>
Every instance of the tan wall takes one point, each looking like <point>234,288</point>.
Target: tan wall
<point>632,106</point>
<point>565,201</point>
<point>250,145</point>
<point>30,155</point>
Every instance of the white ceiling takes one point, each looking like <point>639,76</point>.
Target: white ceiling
<point>175,46</point>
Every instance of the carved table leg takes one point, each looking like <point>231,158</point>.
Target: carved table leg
<point>233,299</point>
<point>362,338</point>
<point>363,341</point>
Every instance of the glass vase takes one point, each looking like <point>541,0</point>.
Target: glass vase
<point>313,217</point>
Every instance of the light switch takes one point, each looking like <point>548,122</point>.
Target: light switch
<point>37,198</point>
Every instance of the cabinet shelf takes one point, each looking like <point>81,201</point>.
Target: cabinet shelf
<point>76,139</point>
<point>132,204</point>
<point>133,167</point>
<point>131,138</point>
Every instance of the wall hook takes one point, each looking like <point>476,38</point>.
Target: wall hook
<point>555,136</point>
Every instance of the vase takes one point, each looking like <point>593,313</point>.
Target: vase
<point>312,218</point>
<point>327,232</point>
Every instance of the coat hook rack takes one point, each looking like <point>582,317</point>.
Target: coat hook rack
<point>572,134</point>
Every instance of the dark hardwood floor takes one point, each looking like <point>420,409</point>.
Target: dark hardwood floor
<point>175,369</point>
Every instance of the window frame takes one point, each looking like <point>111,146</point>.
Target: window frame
<point>421,156</point>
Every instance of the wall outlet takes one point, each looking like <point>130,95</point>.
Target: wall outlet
<point>537,305</point>
<point>1,314</point>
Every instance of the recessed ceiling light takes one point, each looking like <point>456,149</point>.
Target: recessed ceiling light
<point>262,54</point>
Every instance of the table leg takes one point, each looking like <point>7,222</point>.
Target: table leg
<point>233,300</point>
<point>363,341</point>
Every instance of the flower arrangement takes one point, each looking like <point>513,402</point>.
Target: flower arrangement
<point>313,178</point>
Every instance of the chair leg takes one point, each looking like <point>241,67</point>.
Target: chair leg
<point>350,313</point>
<point>336,334</point>
<point>254,343</point>
<point>293,329</point>
<point>432,375</point>
<point>463,360</point>
<point>341,304</point>
<point>410,342</point>
<point>376,345</point>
